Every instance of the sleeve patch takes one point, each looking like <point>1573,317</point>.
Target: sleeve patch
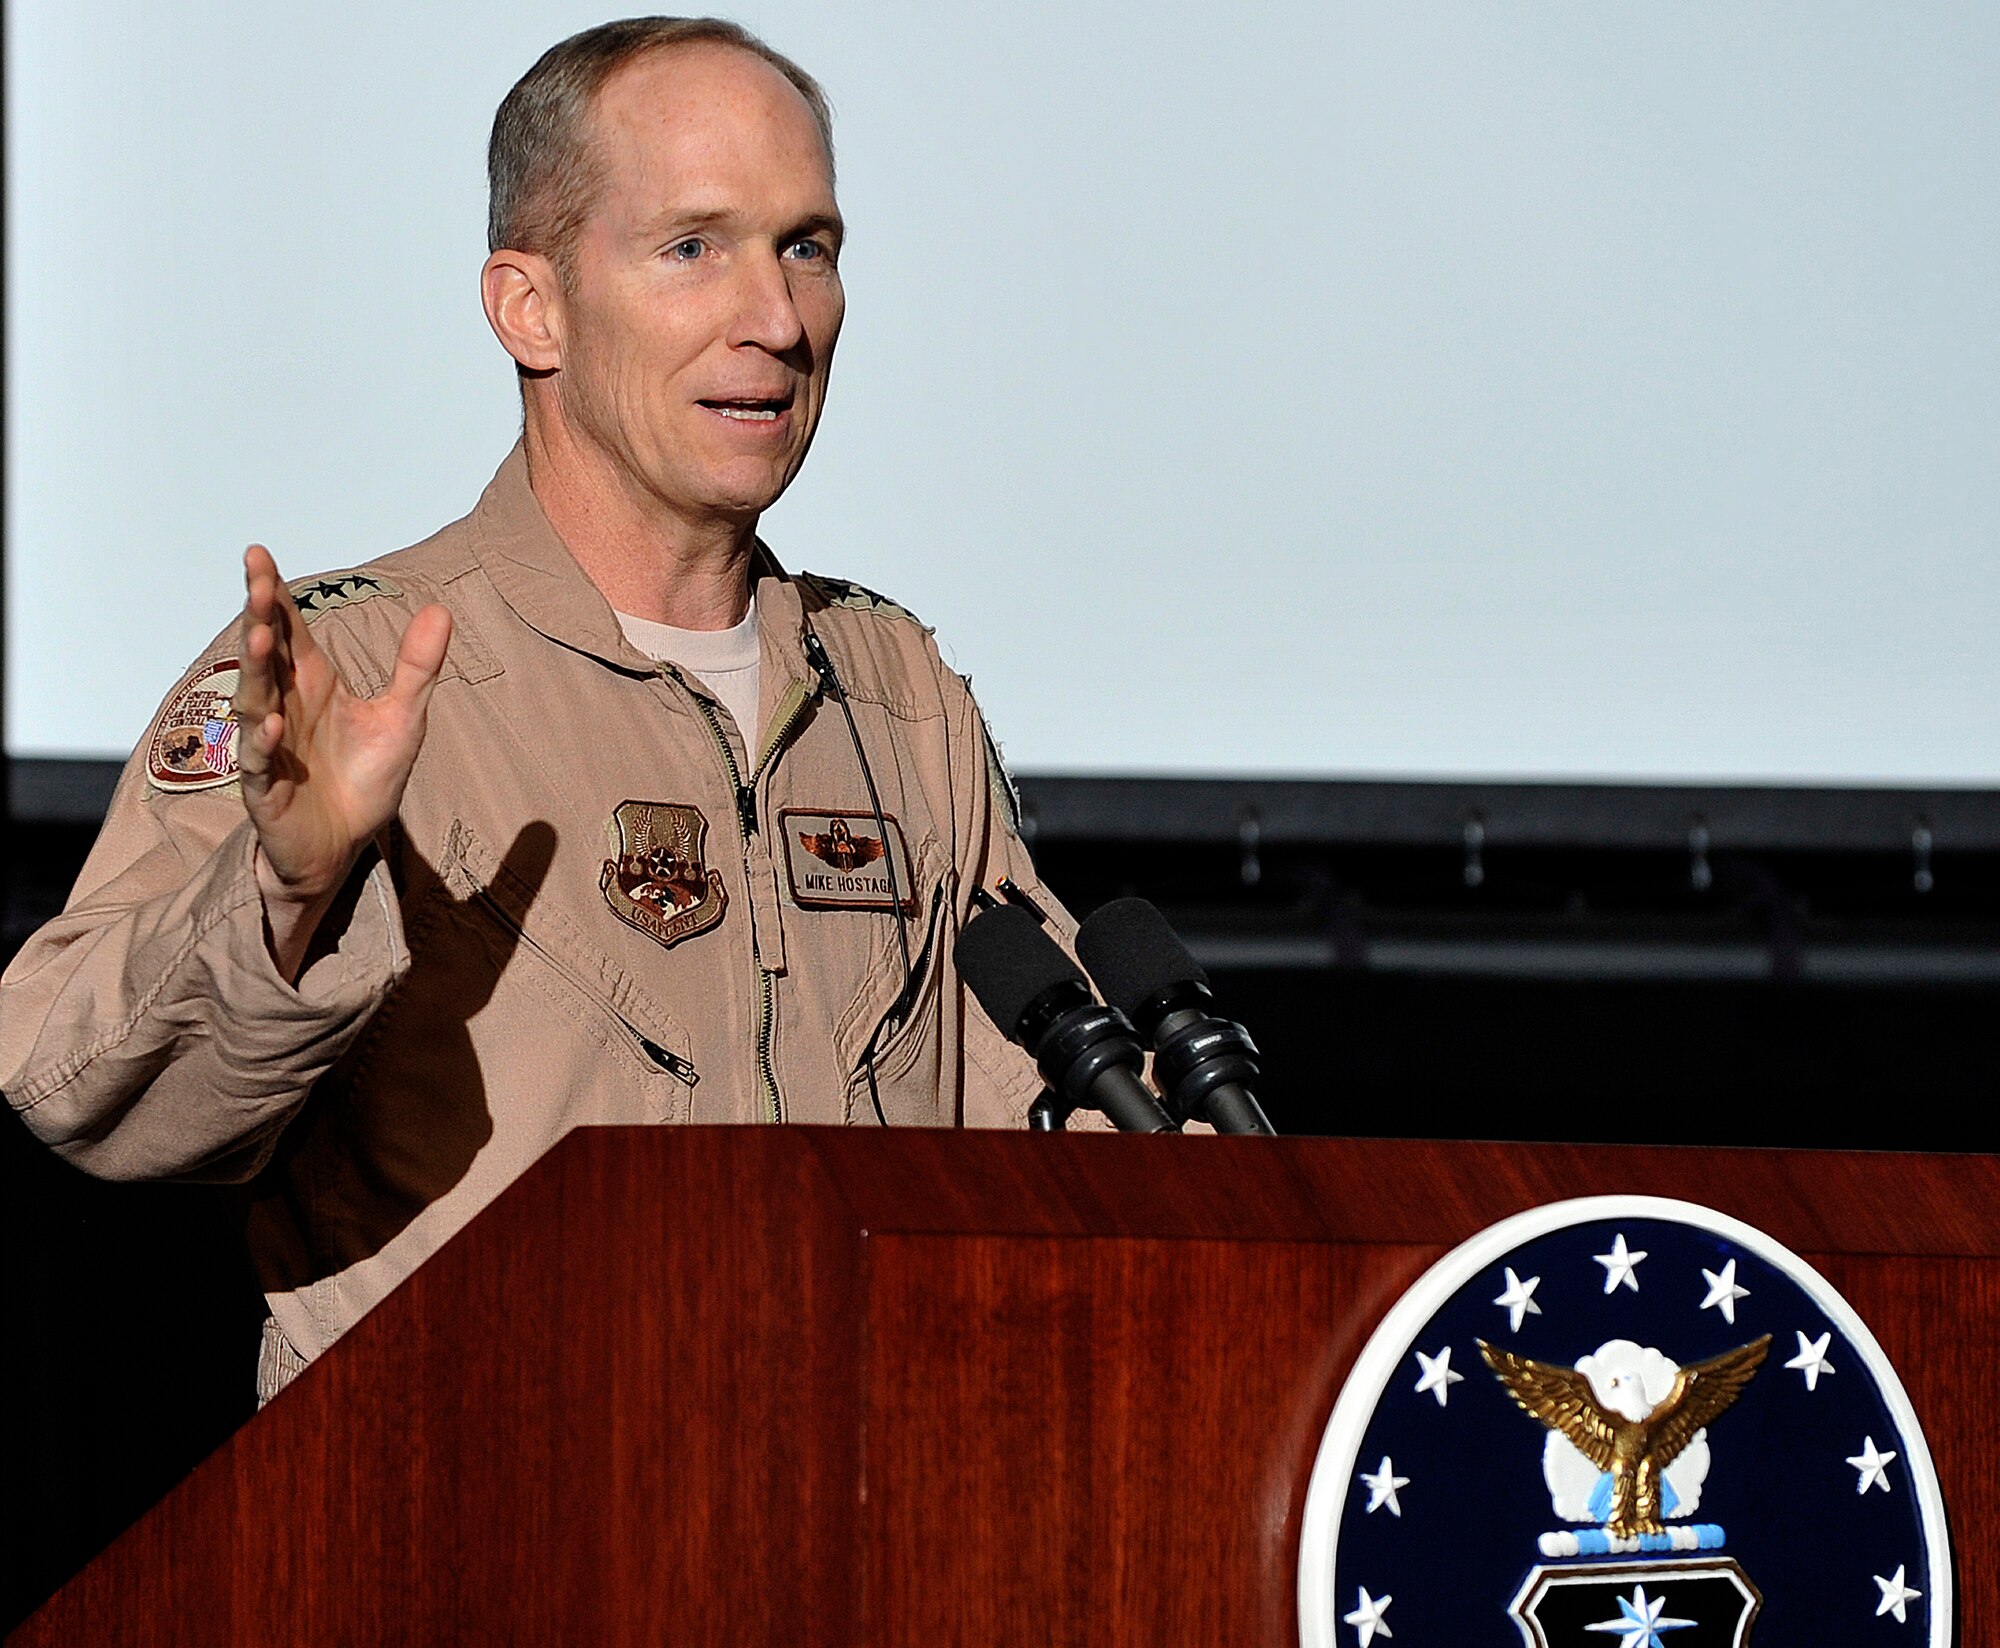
<point>333,590</point>
<point>194,739</point>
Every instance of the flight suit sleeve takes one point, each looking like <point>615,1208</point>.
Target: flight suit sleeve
<point>1000,1079</point>
<point>146,1031</point>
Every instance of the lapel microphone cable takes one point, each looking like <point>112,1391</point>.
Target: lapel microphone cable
<point>829,680</point>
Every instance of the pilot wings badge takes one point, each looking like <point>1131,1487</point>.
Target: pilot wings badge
<point>840,847</point>
<point>1704,1479</point>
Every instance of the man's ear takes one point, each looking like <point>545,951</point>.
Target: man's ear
<point>523,302</point>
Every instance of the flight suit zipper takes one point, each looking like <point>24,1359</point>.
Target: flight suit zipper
<point>682,1070</point>
<point>791,710</point>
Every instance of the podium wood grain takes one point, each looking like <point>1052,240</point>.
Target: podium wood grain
<point>803,1386</point>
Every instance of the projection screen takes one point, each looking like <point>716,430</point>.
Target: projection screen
<point>1398,389</point>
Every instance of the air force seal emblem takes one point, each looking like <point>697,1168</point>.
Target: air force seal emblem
<point>1584,1421</point>
<point>656,879</point>
<point>194,739</point>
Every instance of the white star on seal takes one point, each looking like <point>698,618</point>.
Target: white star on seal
<point>1723,1292</point>
<point>1873,1466</point>
<point>1811,1359</point>
<point>1621,1264</point>
<point>1438,1377</point>
<point>1367,1616</point>
<point>1519,1299</point>
<point>1639,1624</point>
<point>1382,1486</point>
<point>1896,1596</point>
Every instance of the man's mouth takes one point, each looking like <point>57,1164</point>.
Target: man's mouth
<point>750,410</point>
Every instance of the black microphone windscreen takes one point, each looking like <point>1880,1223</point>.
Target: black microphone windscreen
<point>1007,962</point>
<point>1133,954</point>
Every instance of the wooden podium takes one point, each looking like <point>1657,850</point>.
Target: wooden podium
<point>810,1386</point>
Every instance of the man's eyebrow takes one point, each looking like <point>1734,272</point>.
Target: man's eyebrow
<point>685,217</point>
<point>817,223</point>
<point>676,219</point>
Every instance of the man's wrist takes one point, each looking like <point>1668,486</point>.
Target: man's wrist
<point>292,914</point>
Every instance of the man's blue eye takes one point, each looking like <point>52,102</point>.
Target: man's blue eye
<point>807,249</point>
<point>687,250</point>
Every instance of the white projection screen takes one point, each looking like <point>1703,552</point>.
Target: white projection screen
<point>1395,389</point>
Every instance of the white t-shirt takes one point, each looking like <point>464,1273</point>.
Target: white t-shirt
<point>723,660</point>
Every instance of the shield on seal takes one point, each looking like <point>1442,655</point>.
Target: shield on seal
<point>656,879</point>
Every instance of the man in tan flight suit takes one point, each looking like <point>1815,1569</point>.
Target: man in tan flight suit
<point>425,862</point>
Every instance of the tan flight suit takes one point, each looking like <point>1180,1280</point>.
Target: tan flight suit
<point>591,908</point>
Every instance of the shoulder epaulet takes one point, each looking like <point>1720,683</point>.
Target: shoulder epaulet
<point>329,591</point>
<point>1006,793</point>
<point>842,592</point>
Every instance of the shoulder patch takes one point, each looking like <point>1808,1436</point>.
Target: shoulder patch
<point>841,592</point>
<point>332,590</point>
<point>194,739</point>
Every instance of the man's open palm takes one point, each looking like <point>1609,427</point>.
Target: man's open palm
<point>323,769</point>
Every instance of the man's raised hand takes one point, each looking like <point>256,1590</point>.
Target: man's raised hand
<point>323,770</point>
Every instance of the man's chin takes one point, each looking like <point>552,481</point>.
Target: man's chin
<point>740,492</point>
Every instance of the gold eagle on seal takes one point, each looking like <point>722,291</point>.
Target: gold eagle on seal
<point>1630,1438</point>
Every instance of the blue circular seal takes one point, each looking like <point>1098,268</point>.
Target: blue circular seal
<point>1623,1422</point>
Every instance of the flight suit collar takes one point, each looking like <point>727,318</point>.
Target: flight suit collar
<point>539,578</point>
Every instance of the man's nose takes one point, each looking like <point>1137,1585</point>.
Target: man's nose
<point>766,316</point>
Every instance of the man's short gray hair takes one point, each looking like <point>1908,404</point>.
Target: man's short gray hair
<point>542,169</point>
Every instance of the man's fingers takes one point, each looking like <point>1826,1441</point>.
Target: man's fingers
<point>258,742</point>
<point>277,641</point>
<point>257,688</point>
<point>266,661</point>
<point>420,657</point>
<point>257,563</point>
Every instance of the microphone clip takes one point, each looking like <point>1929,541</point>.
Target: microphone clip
<point>1194,1055</point>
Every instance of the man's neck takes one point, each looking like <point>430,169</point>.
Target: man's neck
<point>646,560</point>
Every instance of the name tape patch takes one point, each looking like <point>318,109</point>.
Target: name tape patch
<point>839,861</point>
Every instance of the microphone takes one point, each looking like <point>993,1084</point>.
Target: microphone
<point>1035,996</point>
<point>1203,1063</point>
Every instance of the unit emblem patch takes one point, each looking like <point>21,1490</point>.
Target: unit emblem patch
<point>657,880</point>
<point>317,596</point>
<point>1587,1421</point>
<point>839,861</point>
<point>194,741</point>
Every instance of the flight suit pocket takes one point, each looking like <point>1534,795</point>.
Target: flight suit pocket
<point>543,951</point>
<point>900,1063</point>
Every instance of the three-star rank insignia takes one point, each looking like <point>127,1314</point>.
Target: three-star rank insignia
<point>844,592</point>
<point>193,744</point>
<point>840,861</point>
<point>315,597</point>
<point>1574,1421</point>
<point>657,879</point>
